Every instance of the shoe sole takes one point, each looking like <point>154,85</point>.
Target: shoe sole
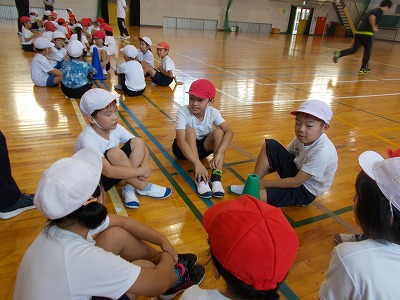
<point>232,192</point>
<point>159,198</point>
<point>218,195</point>
<point>14,213</point>
<point>205,195</point>
<point>128,206</point>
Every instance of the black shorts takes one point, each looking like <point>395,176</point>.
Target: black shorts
<point>107,182</point>
<point>281,161</point>
<point>76,93</point>
<point>161,79</point>
<point>125,88</point>
<point>200,149</point>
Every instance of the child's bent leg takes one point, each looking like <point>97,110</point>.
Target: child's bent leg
<point>262,167</point>
<point>120,242</point>
<point>147,68</point>
<point>212,143</point>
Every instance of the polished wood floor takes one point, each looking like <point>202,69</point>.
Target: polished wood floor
<point>260,78</point>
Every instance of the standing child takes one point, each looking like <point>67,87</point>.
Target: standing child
<point>196,139</point>
<point>73,265</point>
<point>99,38</point>
<point>145,53</point>
<point>308,165</point>
<point>76,72</point>
<point>42,72</point>
<point>57,54</point>
<point>130,73</point>
<point>26,34</point>
<point>131,162</point>
<point>166,71</point>
<point>368,269</point>
<point>252,247</point>
<point>121,14</point>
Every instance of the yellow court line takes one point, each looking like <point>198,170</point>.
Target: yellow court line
<point>114,196</point>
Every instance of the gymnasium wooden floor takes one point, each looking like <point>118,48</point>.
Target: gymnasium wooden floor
<point>260,78</point>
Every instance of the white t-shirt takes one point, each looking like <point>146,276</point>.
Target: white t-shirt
<point>121,13</point>
<point>185,119</point>
<point>111,43</point>
<point>40,69</point>
<point>363,270</point>
<point>196,293</point>
<point>134,77</point>
<point>26,34</point>
<point>62,265</point>
<point>56,55</point>
<point>99,48</point>
<point>47,35</point>
<point>83,40</point>
<point>89,138</point>
<point>167,64</point>
<point>148,57</point>
<point>319,159</point>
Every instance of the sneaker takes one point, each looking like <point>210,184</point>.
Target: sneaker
<point>25,202</point>
<point>336,56</point>
<point>155,191</point>
<point>130,199</point>
<point>126,37</point>
<point>341,238</point>
<point>217,189</point>
<point>118,87</point>
<point>187,260</point>
<point>236,189</point>
<point>203,190</point>
<point>193,275</point>
<point>120,37</point>
<point>105,72</point>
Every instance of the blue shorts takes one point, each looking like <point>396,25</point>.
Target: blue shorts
<point>50,80</point>
<point>281,161</point>
<point>107,182</point>
<point>161,79</point>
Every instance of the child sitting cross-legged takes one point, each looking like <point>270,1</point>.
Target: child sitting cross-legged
<point>131,162</point>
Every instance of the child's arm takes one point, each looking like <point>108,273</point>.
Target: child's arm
<point>143,232</point>
<point>56,72</point>
<point>122,172</point>
<point>200,171</point>
<point>165,73</point>
<point>290,182</point>
<point>226,140</point>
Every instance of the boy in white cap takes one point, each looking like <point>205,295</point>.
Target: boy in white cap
<point>58,52</point>
<point>118,264</point>
<point>76,72</point>
<point>306,167</point>
<point>42,72</point>
<point>131,162</point>
<point>145,53</point>
<point>130,73</point>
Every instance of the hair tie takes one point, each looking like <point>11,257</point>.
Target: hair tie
<point>92,199</point>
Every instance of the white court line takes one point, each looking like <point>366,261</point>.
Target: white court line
<point>114,196</point>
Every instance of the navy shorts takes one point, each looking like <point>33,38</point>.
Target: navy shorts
<point>281,161</point>
<point>125,88</point>
<point>200,149</point>
<point>160,79</point>
<point>50,80</point>
<point>107,182</point>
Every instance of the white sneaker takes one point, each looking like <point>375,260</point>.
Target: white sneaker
<point>203,190</point>
<point>236,189</point>
<point>120,37</point>
<point>130,199</point>
<point>155,191</point>
<point>118,87</point>
<point>105,72</point>
<point>126,37</point>
<point>217,189</point>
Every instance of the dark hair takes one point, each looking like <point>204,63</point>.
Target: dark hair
<point>108,33</point>
<point>373,211</point>
<point>241,289</point>
<point>114,102</point>
<point>387,3</point>
<point>78,32</point>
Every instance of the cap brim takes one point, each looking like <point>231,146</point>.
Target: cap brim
<point>91,156</point>
<point>367,161</point>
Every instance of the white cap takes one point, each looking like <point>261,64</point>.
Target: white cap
<point>130,51</point>
<point>146,40</point>
<point>33,11</point>
<point>95,99</point>
<point>58,35</point>
<point>316,108</point>
<point>42,43</point>
<point>68,184</point>
<point>75,48</point>
<point>386,173</point>
<point>70,9</point>
<point>47,13</point>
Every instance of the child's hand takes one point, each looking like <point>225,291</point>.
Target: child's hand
<point>214,161</point>
<point>146,173</point>
<point>200,173</point>
<point>167,247</point>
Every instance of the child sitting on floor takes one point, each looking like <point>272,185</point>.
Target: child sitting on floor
<point>26,34</point>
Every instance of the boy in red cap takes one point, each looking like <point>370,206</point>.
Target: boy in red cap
<point>165,73</point>
<point>306,167</point>
<point>196,139</point>
<point>26,34</point>
<point>252,247</point>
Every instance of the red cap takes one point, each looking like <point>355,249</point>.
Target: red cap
<point>61,20</point>
<point>99,35</point>
<point>49,26</point>
<point>100,20</point>
<point>390,153</point>
<point>89,20</point>
<point>252,240</point>
<point>162,45</point>
<point>84,23</point>
<point>108,28</point>
<point>24,19</point>
<point>53,14</point>
<point>202,88</point>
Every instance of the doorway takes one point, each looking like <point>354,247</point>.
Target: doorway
<point>300,20</point>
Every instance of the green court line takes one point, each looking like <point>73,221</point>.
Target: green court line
<point>308,221</point>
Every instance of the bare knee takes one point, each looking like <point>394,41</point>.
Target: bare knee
<point>111,238</point>
<point>115,155</point>
<point>137,142</point>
